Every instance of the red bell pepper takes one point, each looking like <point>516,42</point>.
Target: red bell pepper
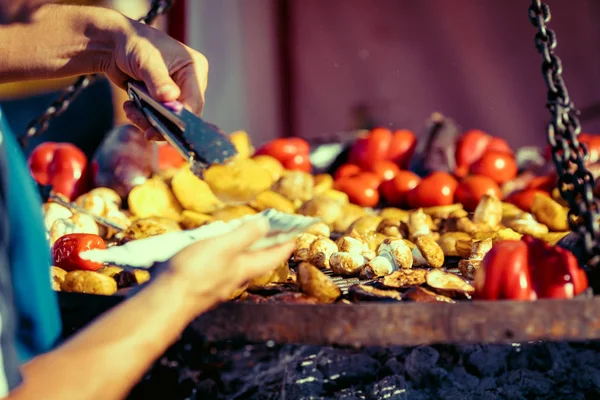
<point>63,166</point>
<point>292,153</point>
<point>472,145</point>
<point>66,250</point>
<point>381,144</point>
<point>529,269</point>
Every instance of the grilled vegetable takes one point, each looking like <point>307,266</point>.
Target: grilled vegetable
<point>422,295</point>
<point>347,264</point>
<point>369,293</point>
<point>448,284</point>
<point>66,250</point>
<point>404,278</point>
<point>316,284</point>
<point>154,199</point>
<point>193,193</point>
<point>88,282</point>
<point>320,250</point>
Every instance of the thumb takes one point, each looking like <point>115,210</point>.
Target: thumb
<point>157,79</point>
<point>246,235</point>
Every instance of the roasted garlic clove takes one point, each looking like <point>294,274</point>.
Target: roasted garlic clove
<point>320,250</point>
<point>427,253</point>
<point>399,252</point>
<point>303,242</point>
<point>347,264</point>
<point>488,211</point>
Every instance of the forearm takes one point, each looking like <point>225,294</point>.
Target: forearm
<point>106,359</point>
<point>60,41</point>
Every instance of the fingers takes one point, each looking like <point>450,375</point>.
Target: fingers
<point>258,263</point>
<point>136,117</point>
<point>192,78</point>
<point>244,236</point>
<point>155,75</point>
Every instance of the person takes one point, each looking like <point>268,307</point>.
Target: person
<point>90,117</point>
<point>104,360</point>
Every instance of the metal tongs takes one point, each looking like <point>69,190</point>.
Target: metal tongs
<point>197,141</point>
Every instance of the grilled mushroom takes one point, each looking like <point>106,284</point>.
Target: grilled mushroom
<point>427,253</point>
<point>399,251</point>
<point>479,248</point>
<point>488,211</point>
<point>303,242</point>
<point>390,228</point>
<point>316,284</point>
<point>422,295</point>
<point>320,250</point>
<point>352,245</point>
<point>404,278</point>
<point>369,293</point>
<point>418,224</point>
<point>347,264</point>
<point>320,229</point>
<point>447,242</point>
<point>525,224</point>
<point>378,266</point>
<point>448,284</point>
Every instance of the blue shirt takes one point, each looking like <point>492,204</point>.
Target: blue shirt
<point>36,304</point>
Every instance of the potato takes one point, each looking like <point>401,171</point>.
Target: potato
<point>323,183</point>
<point>272,165</point>
<point>110,271</point>
<point>58,277</point>
<point>295,186</point>
<point>233,212</point>
<point>336,195</point>
<point>270,199</point>
<point>279,274</point>
<point>193,193</point>
<point>242,143</point>
<point>143,228</point>
<point>550,213</point>
<point>350,213</point>
<point>316,284</point>
<point>193,220</point>
<point>394,213</point>
<point>154,199</point>
<point>327,210</point>
<point>366,224</point>
<point>239,181</point>
<point>141,276</point>
<point>88,282</point>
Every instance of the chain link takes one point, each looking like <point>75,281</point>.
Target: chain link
<point>60,105</point>
<point>576,183</point>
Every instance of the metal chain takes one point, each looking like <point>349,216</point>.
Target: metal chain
<point>575,182</point>
<point>60,105</point>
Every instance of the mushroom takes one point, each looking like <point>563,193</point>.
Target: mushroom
<point>352,245</point>
<point>417,224</point>
<point>422,295</point>
<point>346,264</point>
<point>488,211</point>
<point>427,253</point>
<point>404,278</point>
<point>378,266</point>
<point>76,223</point>
<point>326,209</point>
<point>447,242</point>
<point>399,251</point>
<point>320,250</point>
<point>390,228</point>
<point>525,224</point>
<point>303,242</point>
<point>479,248</point>
<point>443,211</point>
<point>54,212</point>
<point>369,293</point>
<point>320,229</point>
<point>448,284</point>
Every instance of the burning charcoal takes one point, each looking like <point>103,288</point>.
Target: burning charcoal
<point>394,367</point>
<point>448,284</point>
<point>487,360</point>
<point>532,384</point>
<point>462,379</point>
<point>350,394</point>
<point>301,385</point>
<point>369,293</point>
<point>390,387</point>
<point>125,279</point>
<point>342,369</point>
<point>420,364</point>
<point>422,295</point>
<point>404,278</point>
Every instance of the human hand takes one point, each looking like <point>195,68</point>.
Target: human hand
<point>169,69</point>
<point>216,267</point>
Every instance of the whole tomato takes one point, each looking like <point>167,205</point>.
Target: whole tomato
<point>498,165</point>
<point>402,148</point>
<point>302,146</point>
<point>546,183</point>
<point>471,189</point>
<point>524,198</point>
<point>436,189</point>
<point>498,144</point>
<point>395,190</point>
<point>469,148</point>
<point>347,170</point>
<point>66,250</point>
<point>386,170</point>
<point>359,191</point>
<point>280,149</point>
<point>299,162</point>
<point>371,148</point>
<point>168,157</point>
<point>370,179</point>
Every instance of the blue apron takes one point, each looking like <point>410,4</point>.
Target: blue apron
<point>39,323</point>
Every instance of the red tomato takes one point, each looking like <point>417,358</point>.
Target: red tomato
<point>301,145</point>
<point>299,162</point>
<point>386,170</point>
<point>168,157</point>
<point>359,192</point>
<point>499,166</point>
<point>524,198</point>
<point>347,170</point>
<point>402,148</point>
<point>374,147</point>
<point>471,189</point>
<point>498,144</point>
<point>545,183</point>
<point>436,189</point>
<point>370,179</point>
<point>66,250</point>
<point>280,149</point>
<point>469,148</point>
<point>394,191</point>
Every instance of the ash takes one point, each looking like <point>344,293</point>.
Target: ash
<point>194,370</point>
